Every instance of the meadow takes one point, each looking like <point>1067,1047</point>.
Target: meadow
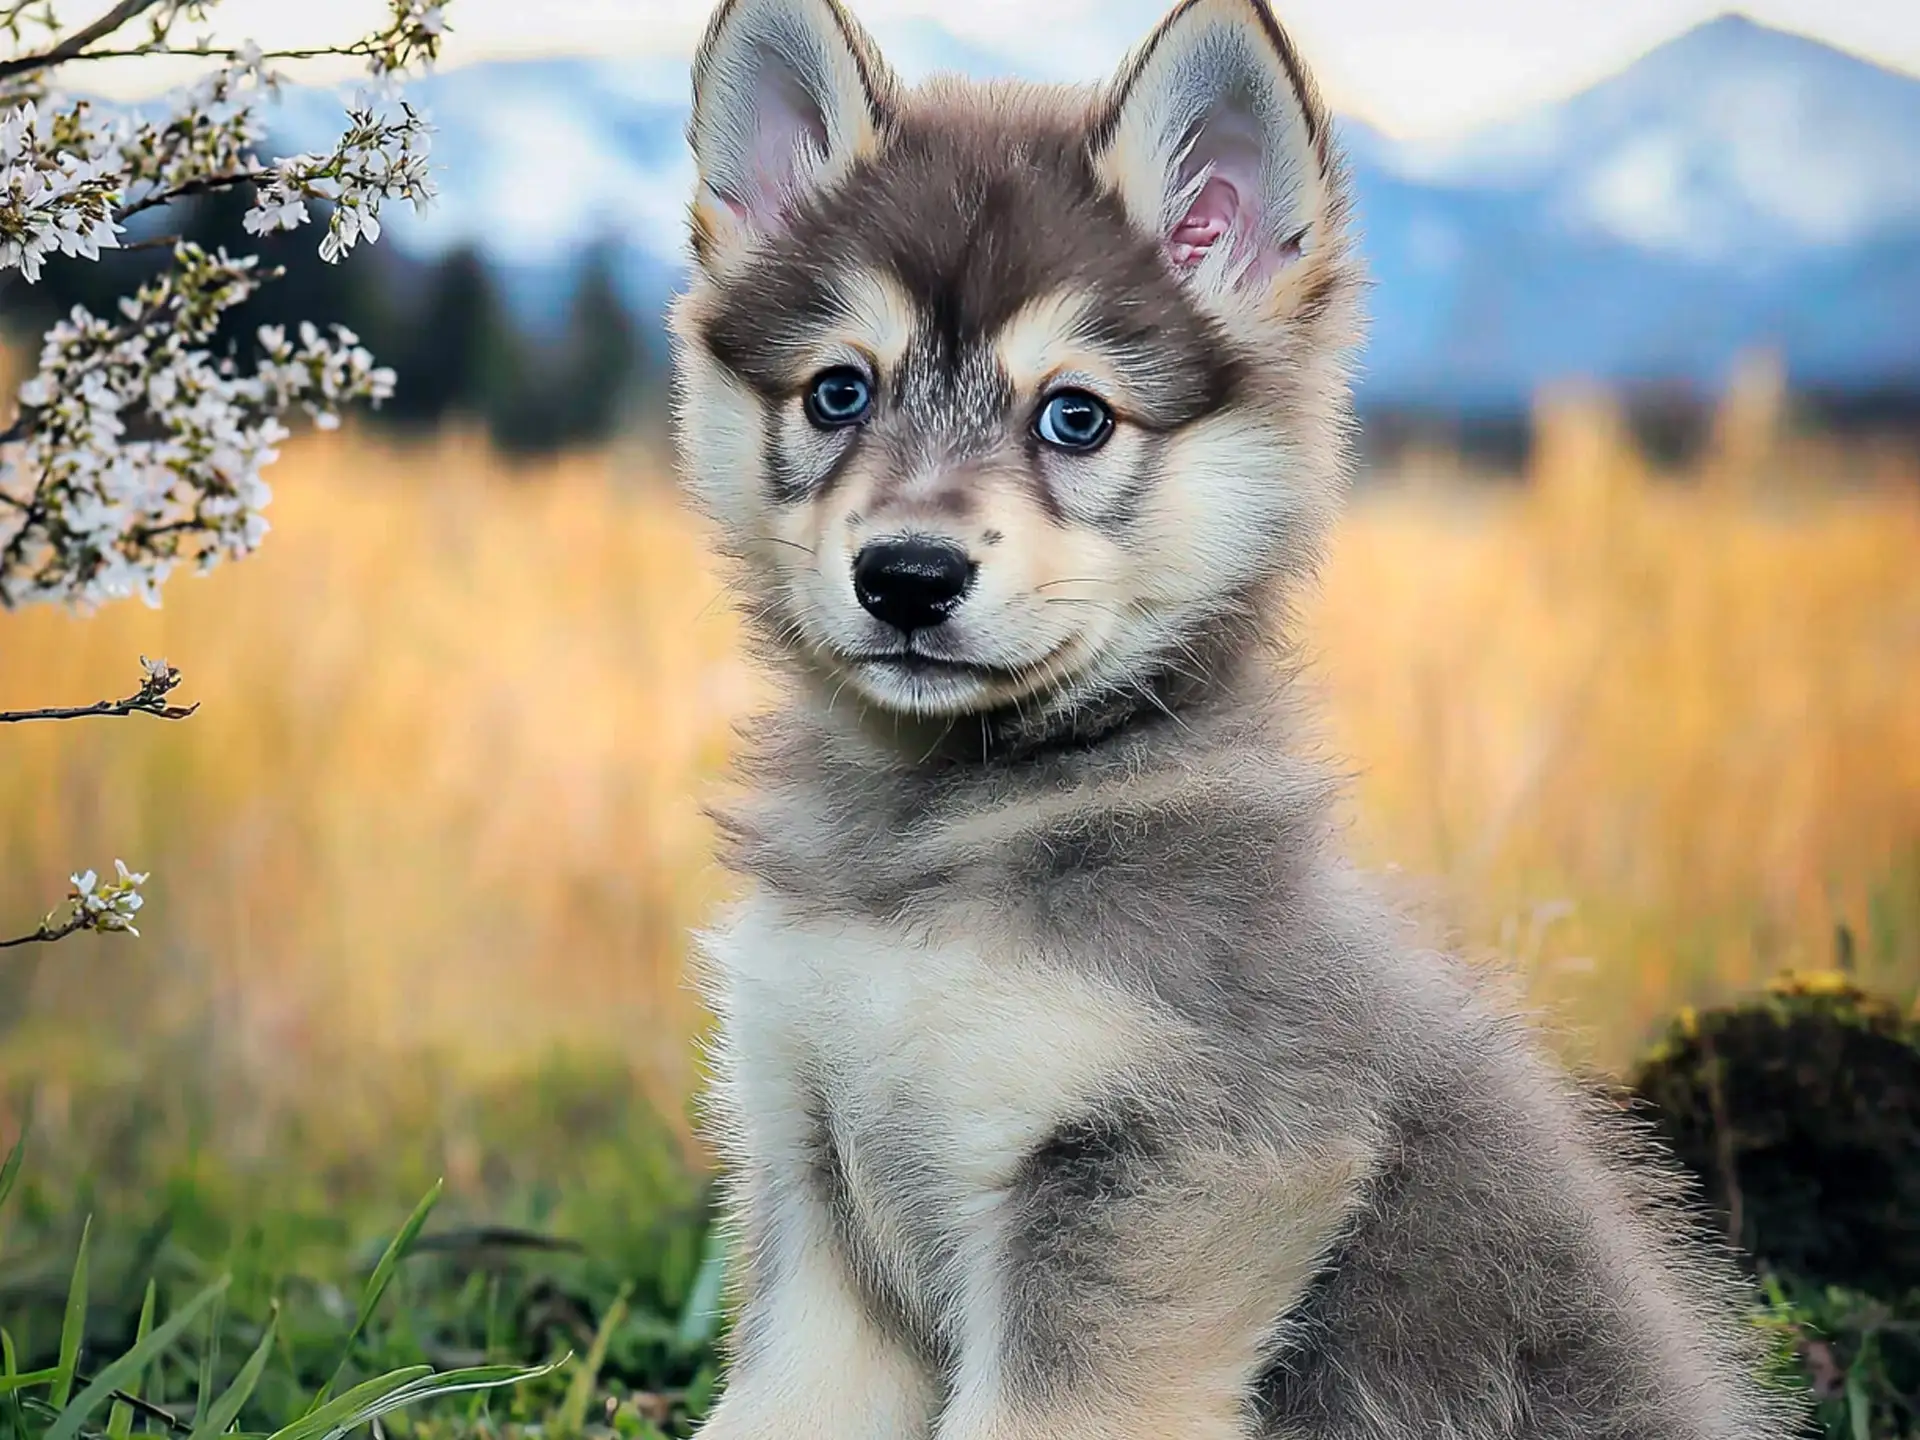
<point>426,858</point>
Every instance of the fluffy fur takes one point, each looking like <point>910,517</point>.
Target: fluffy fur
<point>1069,1082</point>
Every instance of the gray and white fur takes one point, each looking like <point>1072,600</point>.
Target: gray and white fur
<point>1069,1084</point>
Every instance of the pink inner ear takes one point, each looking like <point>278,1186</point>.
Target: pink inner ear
<point>788,132</point>
<point>1228,212</point>
<point>1209,218</point>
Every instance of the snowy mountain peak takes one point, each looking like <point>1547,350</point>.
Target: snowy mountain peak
<point>1734,143</point>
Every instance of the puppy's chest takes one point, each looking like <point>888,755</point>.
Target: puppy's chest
<point>930,1071</point>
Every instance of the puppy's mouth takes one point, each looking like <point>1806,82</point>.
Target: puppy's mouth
<point>906,662</point>
<point>916,662</point>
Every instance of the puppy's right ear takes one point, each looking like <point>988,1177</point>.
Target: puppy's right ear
<point>1217,142</point>
<point>786,95</point>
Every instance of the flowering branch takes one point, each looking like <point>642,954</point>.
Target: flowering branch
<point>106,908</point>
<point>359,49</point>
<point>135,447</point>
<point>158,682</point>
<point>72,47</point>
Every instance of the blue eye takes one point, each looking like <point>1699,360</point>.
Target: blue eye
<point>1074,420</point>
<point>837,397</point>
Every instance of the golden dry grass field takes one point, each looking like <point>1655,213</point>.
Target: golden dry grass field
<point>1650,737</point>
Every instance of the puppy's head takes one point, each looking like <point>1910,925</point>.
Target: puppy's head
<point>1009,398</point>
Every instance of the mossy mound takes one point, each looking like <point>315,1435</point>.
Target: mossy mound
<point>1800,1112</point>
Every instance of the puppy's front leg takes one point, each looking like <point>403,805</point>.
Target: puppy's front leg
<point>809,1361</point>
<point>1124,1291</point>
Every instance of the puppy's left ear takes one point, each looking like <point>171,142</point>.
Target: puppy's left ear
<point>1217,142</point>
<point>787,94</point>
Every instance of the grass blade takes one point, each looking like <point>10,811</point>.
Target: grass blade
<point>449,1382</point>
<point>700,1316</point>
<point>478,1405</point>
<point>120,1418</point>
<point>1859,1408</point>
<point>74,1326</point>
<point>209,1357</point>
<point>224,1411</point>
<point>395,1253</point>
<point>14,1422</point>
<point>10,1170</point>
<point>396,1391</point>
<point>453,1382</point>
<point>11,1381</point>
<point>573,1411</point>
<point>116,1375</point>
<point>377,1285</point>
<point>368,1393</point>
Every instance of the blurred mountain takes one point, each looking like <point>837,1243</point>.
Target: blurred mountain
<point>1739,186</point>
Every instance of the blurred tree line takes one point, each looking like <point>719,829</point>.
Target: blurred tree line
<point>569,373</point>
<point>572,367</point>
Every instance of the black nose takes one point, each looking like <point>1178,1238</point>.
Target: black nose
<point>911,584</point>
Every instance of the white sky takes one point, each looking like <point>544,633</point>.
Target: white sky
<point>1412,67</point>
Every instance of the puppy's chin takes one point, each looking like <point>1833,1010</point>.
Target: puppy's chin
<point>924,689</point>
<point>930,687</point>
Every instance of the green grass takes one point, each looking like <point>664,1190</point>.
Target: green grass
<point>566,1287</point>
<point>184,1266</point>
<point>1859,1356</point>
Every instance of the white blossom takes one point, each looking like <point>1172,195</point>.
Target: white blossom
<point>273,212</point>
<point>56,192</point>
<point>108,907</point>
<point>384,155</point>
<point>412,38</point>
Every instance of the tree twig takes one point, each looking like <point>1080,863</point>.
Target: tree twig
<point>149,699</point>
<point>71,47</point>
<point>204,185</point>
<point>48,933</point>
<point>216,52</point>
<point>157,242</point>
<point>132,705</point>
<point>145,1407</point>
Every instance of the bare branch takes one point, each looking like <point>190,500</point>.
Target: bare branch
<point>49,932</point>
<point>144,1407</point>
<point>222,52</point>
<point>149,699</point>
<point>157,242</point>
<point>202,185</point>
<point>71,47</point>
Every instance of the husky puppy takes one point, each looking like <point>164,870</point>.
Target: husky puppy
<point>1070,1085</point>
